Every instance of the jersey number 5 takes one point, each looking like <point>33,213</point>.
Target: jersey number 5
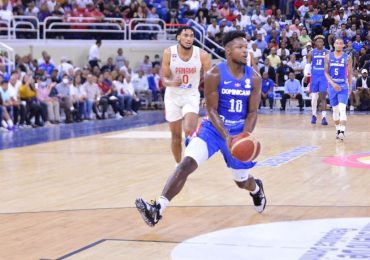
<point>336,73</point>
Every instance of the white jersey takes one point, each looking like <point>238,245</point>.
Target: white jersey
<point>188,71</point>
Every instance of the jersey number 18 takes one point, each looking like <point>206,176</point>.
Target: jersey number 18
<point>236,105</point>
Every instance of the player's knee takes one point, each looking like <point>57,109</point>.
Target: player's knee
<point>176,138</point>
<point>186,167</point>
<point>336,113</point>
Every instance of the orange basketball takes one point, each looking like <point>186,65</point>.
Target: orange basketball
<point>245,147</point>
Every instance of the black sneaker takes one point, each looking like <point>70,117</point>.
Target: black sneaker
<point>259,198</point>
<point>148,211</point>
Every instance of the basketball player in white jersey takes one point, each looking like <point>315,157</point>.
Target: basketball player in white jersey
<point>180,73</point>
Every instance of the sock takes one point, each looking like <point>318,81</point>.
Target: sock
<point>342,128</point>
<point>323,114</point>
<point>315,97</point>
<point>4,124</point>
<point>337,127</point>
<point>257,189</point>
<point>163,201</point>
<point>10,123</point>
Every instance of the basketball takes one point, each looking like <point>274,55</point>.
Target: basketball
<point>245,147</point>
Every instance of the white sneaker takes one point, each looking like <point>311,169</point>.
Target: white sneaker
<point>118,116</point>
<point>351,108</point>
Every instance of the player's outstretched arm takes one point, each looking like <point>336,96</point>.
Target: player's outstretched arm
<point>211,83</point>
<point>166,75</point>
<point>254,100</point>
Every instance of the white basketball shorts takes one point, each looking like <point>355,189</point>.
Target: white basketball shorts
<point>177,106</point>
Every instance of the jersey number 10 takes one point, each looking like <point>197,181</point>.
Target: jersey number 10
<point>236,105</point>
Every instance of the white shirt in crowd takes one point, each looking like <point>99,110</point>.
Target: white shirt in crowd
<point>213,30</point>
<point>51,5</point>
<point>140,84</point>
<point>92,90</point>
<point>364,83</point>
<point>119,86</point>
<point>257,54</point>
<point>83,3</point>
<point>128,87</point>
<point>287,52</point>
<point>78,92</point>
<point>94,53</point>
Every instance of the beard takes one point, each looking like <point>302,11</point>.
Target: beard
<point>186,48</point>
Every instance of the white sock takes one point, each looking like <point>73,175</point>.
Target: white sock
<point>342,128</point>
<point>256,189</point>
<point>4,124</point>
<point>315,97</point>
<point>163,201</point>
<point>337,127</point>
<point>10,123</point>
<point>323,114</point>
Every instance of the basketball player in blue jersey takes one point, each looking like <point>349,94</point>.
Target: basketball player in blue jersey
<point>338,69</point>
<point>319,84</point>
<point>232,92</point>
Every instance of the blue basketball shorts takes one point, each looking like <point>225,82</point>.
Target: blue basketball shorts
<point>209,141</point>
<point>337,97</point>
<point>318,84</point>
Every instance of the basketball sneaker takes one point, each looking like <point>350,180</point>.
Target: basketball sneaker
<point>323,121</point>
<point>149,211</point>
<point>340,135</point>
<point>259,199</point>
<point>313,120</point>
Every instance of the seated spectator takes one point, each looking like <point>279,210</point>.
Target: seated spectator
<point>307,49</point>
<point>293,90</point>
<point>361,94</point>
<point>50,105</point>
<point>125,99</point>
<point>92,97</point>
<point>304,38</point>
<point>146,65</point>
<point>261,44</point>
<point>108,96</point>
<point>141,86</point>
<point>129,89</point>
<point>153,81</point>
<point>257,54</point>
<point>213,29</point>
<point>63,93</point>
<point>296,66</point>
<point>46,65</point>
<point>274,59</point>
<point>27,93</point>
<point>267,91</point>
<point>5,105</point>
<point>269,69</point>
<point>282,73</point>
<point>157,61</point>
<point>283,52</point>
<point>109,66</point>
<point>79,97</point>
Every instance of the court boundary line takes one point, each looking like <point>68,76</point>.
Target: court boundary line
<point>200,206</point>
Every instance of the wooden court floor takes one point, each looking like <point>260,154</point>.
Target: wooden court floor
<point>74,199</point>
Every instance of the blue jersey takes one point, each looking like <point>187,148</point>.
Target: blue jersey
<point>318,62</point>
<point>234,96</point>
<point>338,68</point>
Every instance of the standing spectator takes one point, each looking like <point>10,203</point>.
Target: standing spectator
<point>293,90</point>
<point>267,91</point>
<point>63,92</point>
<point>94,54</point>
<point>120,59</point>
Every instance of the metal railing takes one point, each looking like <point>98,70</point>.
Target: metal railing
<point>145,25</point>
<point>26,24</point>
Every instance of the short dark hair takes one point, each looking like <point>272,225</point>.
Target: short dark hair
<point>229,36</point>
<point>183,28</point>
<point>98,41</point>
